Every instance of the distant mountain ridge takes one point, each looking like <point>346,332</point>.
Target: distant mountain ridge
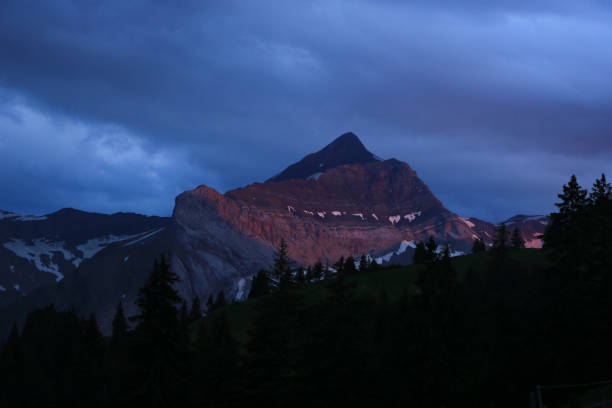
<point>38,250</point>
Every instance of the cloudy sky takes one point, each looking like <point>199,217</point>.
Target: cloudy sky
<point>119,106</point>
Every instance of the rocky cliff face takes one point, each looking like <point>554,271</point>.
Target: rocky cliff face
<point>209,253</point>
<point>340,201</point>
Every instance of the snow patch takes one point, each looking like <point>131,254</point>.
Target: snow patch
<point>402,248</point>
<point>360,215</point>
<point>412,216</point>
<point>308,212</point>
<point>321,214</point>
<point>394,219</point>
<point>456,253</point>
<point>31,218</point>
<point>321,164</point>
<point>12,268</point>
<point>145,236</point>
<point>126,258</point>
<point>17,287</point>
<point>241,288</point>
<point>314,176</point>
<point>290,209</point>
<point>375,216</point>
<point>4,215</point>
<point>336,213</point>
<point>41,253</point>
<point>468,222</point>
<point>2,288</point>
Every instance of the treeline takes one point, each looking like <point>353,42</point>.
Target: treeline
<point>481,340</point>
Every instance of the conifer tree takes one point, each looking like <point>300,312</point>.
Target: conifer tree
<point>327,273</point>
<point>221,300</point>
<point>260,285</point>
<point>364,265</point>
<point>309,274</point>
<point>420,254</point>
<point>281,262</point>
<point>349,266</point>
<point>160,341</point>
<point>601,191</point>
<point>561,235</point>
<point>317,271</point>
<point>501,238</point>
<point>517,240</point>
<point>431,249</point>
<point>120,326</point>
<point>573,198</point>
<point>339,267</point>
<point>184,314</point>
<point>478,246</point>
<point>196,310</point>
<point>300,278</point>
<point>210,304</point>
<point>12,369</point>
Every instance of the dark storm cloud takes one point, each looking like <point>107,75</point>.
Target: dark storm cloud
<point>493,103</point>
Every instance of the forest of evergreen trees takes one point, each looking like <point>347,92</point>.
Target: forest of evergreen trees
<point>484,340</point>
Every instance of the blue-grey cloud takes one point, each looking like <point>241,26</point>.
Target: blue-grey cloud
<point>495,104</point>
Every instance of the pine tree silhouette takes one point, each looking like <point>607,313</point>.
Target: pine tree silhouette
<point>517,240</point>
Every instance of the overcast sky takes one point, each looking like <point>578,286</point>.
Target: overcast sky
<point>119,106</point>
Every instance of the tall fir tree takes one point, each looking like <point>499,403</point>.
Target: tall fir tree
<point>431,250</point>
<point>210,304</point>
<point>120,326</point>
<point>364,265</point>
<point>221,300</point>
<point>478,246</point>
<point>564,230</point>
<point>317,271</point>
<point>601,191</point>
<point>349,266</point>
<point>420,254</point>
<point>184,313</point>
<point>281,262</point>
<point>159,345</point>
<point>260,285</point>
<point>517,241</point>
<point>195,313</point>
<point>500,241</point>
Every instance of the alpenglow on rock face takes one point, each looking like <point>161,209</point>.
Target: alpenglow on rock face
<point>340,201</point>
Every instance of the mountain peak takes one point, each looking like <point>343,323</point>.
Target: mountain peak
<point>345,149</point>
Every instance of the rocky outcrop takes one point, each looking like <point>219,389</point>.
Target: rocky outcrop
<point>210,254</point>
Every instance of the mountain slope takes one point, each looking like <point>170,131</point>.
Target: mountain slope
<point>40,250</point>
